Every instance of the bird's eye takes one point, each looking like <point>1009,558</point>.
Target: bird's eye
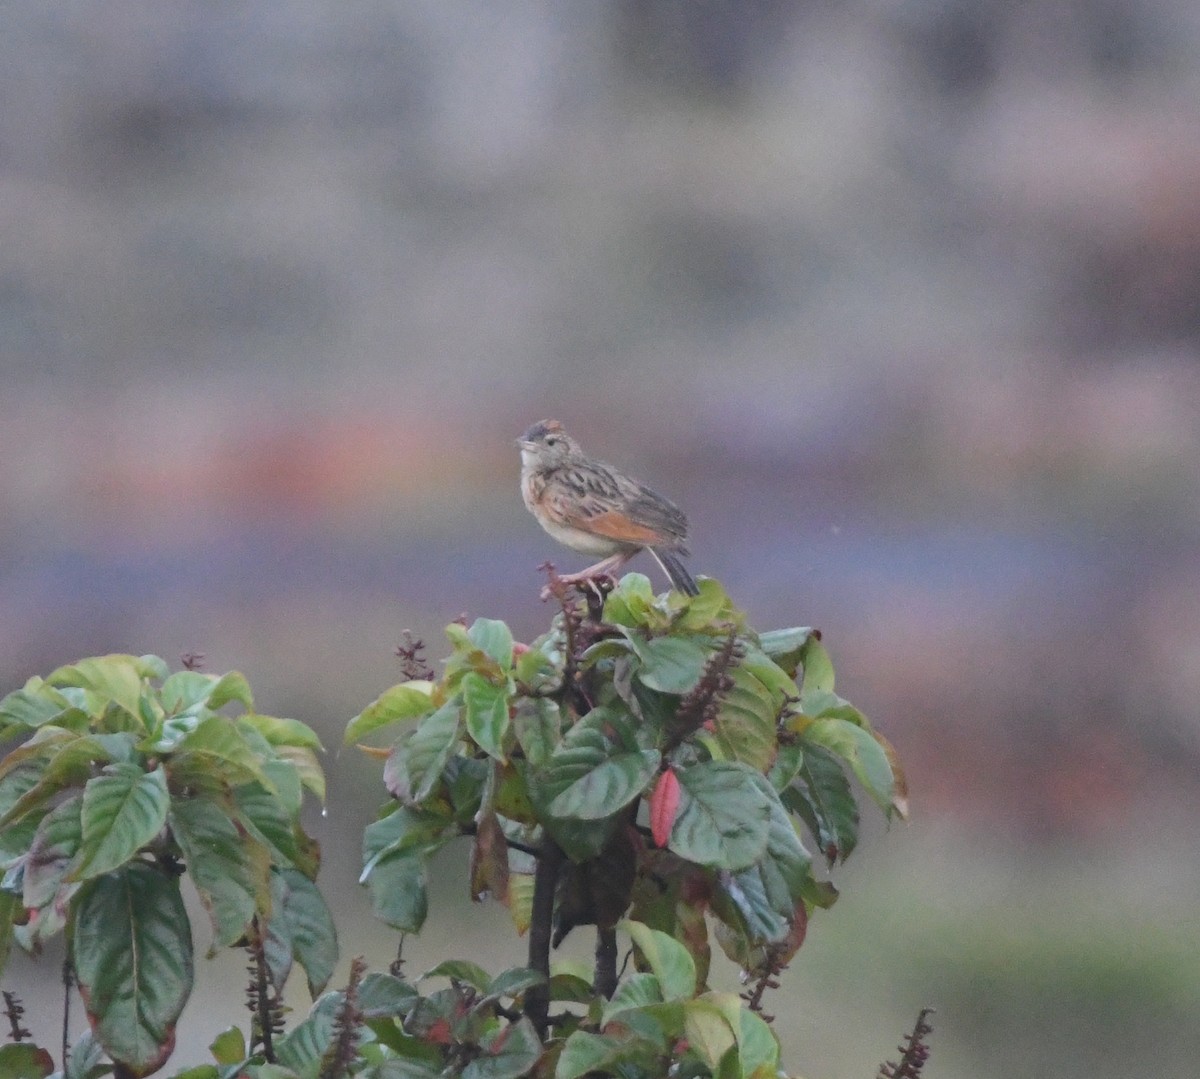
<point>552,440</point>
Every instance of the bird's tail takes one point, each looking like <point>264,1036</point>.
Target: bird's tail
<point>676,570</point>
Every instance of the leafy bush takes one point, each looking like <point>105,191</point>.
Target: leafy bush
<point>646,767</point>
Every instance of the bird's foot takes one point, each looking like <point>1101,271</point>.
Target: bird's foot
<point>597,584</point>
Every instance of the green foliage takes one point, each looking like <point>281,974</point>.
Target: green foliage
<point>650,766</point>
<point>21,1060</point>
<point>125,779</point>
<point>680,761</point>
<point>132,948</point>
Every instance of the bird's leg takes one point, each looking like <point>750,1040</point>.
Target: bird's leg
<point>604,568</point>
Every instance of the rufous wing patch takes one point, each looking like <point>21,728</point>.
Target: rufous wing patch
<point>616,526</point>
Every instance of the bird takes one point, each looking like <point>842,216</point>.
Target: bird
<point>596,509</point>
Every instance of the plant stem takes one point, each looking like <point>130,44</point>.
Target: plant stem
<point>261,992</point>
<point>68,981</point>
<point>606,961</point>
<point>545,883</point>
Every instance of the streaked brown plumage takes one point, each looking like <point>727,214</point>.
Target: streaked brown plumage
<point>592,507</point>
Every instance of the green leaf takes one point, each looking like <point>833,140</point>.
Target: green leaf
<point>153,667</point>
<point>745,721</point>
<point>84,1062</point>
<point>486,707</point>
<point>586,780</point>
<point>229,1047</point>
<point>766,895</point>
<point>723,816</point>
<point>407,1048</point>
<point>34,706</point>
<point>757,1045</point>
<point>520,901</point>
<point>421,759</point>
<point>303,1047</point>
<point>813,703</point>
<point>715,1018</point>
<point>508,1053</point>
<point>712,610</point>
<point>216,749</point>
<point>23,768</point>
<point>56,841</point>
<point>670,962</point>
<point>116,677</point>
<point>24,1060</point>
<point>786,646</point>
<point>184,691</point>
<point>284,780</point>
<point>404,831</point>
<point>707,1030</point>
<point>581,840</point>
<point>540,667</point>
<point>786,766</point>
<point>304,763</point>
<point>637,990</point>
<point>10,908</point>
<point>283,732</point>
<point>818,668</point>
<point>670,664</point>
<point>123,811</point>
<point>384,996</point>
<point>787,867</point>
<point>513,982</point>
<point>260,1071</point>
<point>465,779</point>
<point>585,1053</point>
<point>402,1068</point>
<point>538,727</point>
<point>778,682</point>
<point>494,638</point>
<point>132,950</point>
<point>603,1054</point>
<point>632,602</point>
<point>229,871</point>
<point>753,913</point>
<point>15,841</point>
<point>37,927</point>
<point>409,700</point>
<point>456,634</point>
<point>858,748</point>
<point>825,803</point>
<point>71,764</point>
<point>469,658</point>
<point>607,648</point>
<point>460,970</point>
<point>398,886</point>
<point>267,821</point>
<point>231,687</point>
<point>570,988</point>
<point>301,924</point>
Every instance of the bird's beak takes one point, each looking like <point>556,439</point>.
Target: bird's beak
<point>524,443</point>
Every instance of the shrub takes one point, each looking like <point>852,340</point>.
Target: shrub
<point>651,767</point>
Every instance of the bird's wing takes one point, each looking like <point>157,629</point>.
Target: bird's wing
<point>652,510</point>
<point>594,499</point>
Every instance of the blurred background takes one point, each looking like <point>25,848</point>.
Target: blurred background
<point>898,300</point>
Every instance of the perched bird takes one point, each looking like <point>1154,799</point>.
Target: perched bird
<point>594,508</point>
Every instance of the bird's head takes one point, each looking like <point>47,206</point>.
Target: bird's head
<point>546,444</point>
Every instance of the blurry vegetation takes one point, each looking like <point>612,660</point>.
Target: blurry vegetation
<point>645,767</point>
